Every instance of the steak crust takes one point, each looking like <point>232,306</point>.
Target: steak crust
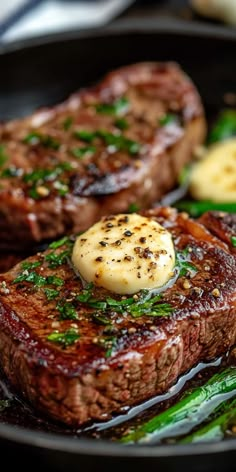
<point>138,164</point>
<point>130,359</point>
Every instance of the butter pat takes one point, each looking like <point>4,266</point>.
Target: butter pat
<point>214,178</point>
<point>125,253</point>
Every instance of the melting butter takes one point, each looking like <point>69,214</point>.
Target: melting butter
<point>125,253</point>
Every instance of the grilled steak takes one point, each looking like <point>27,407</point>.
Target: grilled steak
<point>80,354</point>
<point>122,142</point>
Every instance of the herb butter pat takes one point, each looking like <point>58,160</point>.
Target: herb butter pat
<point>125,254</point>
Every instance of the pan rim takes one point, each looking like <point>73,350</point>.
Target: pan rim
<point>148,26</point>
<point>68,444</point>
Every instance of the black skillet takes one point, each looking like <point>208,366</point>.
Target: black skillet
<point>42,72</point>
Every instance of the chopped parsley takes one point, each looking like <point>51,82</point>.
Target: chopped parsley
<point>44,175</point>
<point>87,136</point>
<point>39,177</point>
<point>133,208</point>
<point>233,241</point>
<point>35,138</point>
<point>143,305</point>
<point>66,338</point>
<point>83,152</point>
<point>118,141</point>
<point>67,311</point>
<point>54,280</point>
<point>26,265</point>
<point>86,294</point>
<point>183,265</point>
<point>121,123</point>
<point>61,188</point>
<point>32,277</point>
<point>117,108</point>
<point>56,259</point>
<point>60,242</point>
<point>167,119</point>
<point>67,123</point>
<point>37,279</point>
<point>11,171</point>
<point>109,343</point>
<point>3,155</point>
<point>100,319</point>
<point>51,293</point>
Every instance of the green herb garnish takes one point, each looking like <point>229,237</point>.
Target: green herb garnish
<point>67,311</point>
<point>67,123</point>
<point>83,152</point>
<point>54,280</point>
<point>121,123</point>
<point>65,338</point>
<point>167,119</point>
<point>32,277</point>
<point>11,172</point>
<point>133,208</point>
<point>146,305</point>
<point>3,155</point>
<point>119,142</point>
<point>51,293</point>
<point>87,136</point>
<point>61,188</point>
<point>233,241</point>
<point>224,128</point>
<point>183,265</point>
<point>117,108</point>
<point>100,319</point>
<point>30,265</point>
<point>109,343</point>
<point>55,260</point>
<point>60,242</point>
<point>86,294</point>
<point>47,141</point>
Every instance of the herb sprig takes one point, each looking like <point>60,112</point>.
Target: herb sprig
<point>183,265</point>
<point>66,338</point>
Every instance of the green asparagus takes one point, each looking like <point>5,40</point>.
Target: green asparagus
<point>193,408</point>
<point>197,208</point>
<point>215,429</point>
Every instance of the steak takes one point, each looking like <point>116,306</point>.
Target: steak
<point>120,143</point>
<point>79,354</point>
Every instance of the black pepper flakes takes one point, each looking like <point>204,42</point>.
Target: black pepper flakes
<point>142,240</point>
<point>128,258</point>
<point>103,243</point>
<point>99,259</point>
<point>128,233</point>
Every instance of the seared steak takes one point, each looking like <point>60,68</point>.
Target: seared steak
<point>80,354</point>
<point>122,142</point>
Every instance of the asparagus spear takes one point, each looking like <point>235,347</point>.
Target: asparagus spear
<point>193,408</point>
<point>197,208</point>
<point>215,429</point>
<point>224,128</point>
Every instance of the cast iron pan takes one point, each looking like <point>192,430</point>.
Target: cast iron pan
<point>43,72</point>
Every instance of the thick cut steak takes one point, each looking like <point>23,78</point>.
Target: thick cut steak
<point>122,142</point>
<point>78,355</point>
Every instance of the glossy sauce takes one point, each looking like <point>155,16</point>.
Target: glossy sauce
<point>15,411</point>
